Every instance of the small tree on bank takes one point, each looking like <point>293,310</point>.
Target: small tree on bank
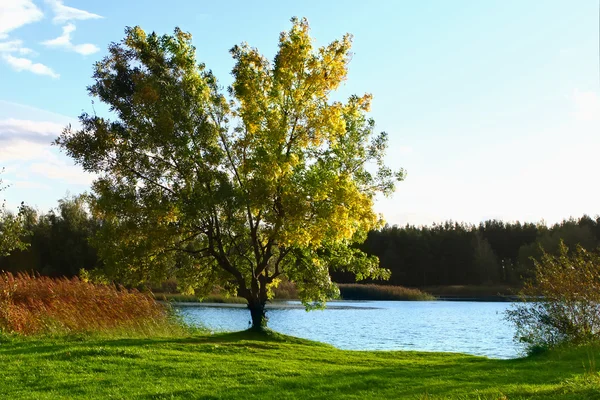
<point>562,303</point>
<point>274,180</point>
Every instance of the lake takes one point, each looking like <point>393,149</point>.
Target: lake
<point>468,327</point>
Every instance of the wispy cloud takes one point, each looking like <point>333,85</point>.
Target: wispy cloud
<point>25,148</point>
<point>61,170</point>
<point>16,13</point>
<point>64,13</point>
<point>64,41</point>
<point>25,64</point>
<point>22,150</point>
<point>14,46</point>
<point>40,161</point>
<point>43,132</point>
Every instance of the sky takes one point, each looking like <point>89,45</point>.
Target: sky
<point>492,107</point>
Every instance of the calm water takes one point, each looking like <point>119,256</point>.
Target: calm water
<point>452,326</point>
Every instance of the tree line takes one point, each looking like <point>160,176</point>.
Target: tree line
<point>56,243</point>
<point>60,243</point>
<point>453,253</point>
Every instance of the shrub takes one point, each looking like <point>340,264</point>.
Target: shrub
<point>562,302</point>
<point>381,292</point>
<point>41,305</point>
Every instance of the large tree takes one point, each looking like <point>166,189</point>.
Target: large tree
<point>271,179</point>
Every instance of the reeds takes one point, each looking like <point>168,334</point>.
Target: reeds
<point>31,304</point>
<point>381,292</point>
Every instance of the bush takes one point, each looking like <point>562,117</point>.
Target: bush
<point>381,292</point>
<point>41,305</point>
<point>562,302</point>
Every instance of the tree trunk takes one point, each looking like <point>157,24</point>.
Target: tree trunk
<point>258,314</point>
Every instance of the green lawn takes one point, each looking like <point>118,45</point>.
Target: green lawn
<point>247,366</point>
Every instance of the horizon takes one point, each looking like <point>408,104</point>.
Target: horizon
<point>493,109</point>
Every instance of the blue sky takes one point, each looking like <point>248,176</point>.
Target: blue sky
<point>493,107</point>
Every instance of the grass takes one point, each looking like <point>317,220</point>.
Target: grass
<point>381,292</point>
<point>253,366</point>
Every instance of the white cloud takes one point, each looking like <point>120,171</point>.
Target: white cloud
<point>40,161</point>
<point>16,13</point>
<point>61,170</point>
<point>64,13</point>
<point>64,41</point>
<point>14,46</point>
<point>23,150</point>
<point>24,64</point>
<point>85,48</point>
<point>38,172</point>
<point>35,131</point>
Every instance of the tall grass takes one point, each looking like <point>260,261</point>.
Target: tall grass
<point>357,291</point>
<point>31,305</point>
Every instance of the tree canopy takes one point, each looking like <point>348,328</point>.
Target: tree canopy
<point>235,188</point>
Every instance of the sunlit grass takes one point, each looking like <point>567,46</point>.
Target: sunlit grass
<point>250,366</point>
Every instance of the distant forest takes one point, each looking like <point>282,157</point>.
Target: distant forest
<point>450,253</point>
<point>491,253</point>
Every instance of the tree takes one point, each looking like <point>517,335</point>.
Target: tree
<point>485,261</point>
<point>273,180</point>
<point>11,228</point>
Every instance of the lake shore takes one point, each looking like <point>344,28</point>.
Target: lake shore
<point>275,304</point>
<point>245,365</point>
<point>371,292</point>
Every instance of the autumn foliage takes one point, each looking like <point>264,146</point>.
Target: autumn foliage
<point>41,305</point>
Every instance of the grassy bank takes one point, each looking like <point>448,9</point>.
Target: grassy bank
<point>242,365</point>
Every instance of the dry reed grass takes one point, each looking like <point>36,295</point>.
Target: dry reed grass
<point>31,304</point>
<point>357,291</point>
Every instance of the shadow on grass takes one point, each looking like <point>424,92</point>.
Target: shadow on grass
<point>248,338</point>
